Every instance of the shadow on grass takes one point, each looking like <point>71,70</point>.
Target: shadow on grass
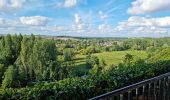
<point>79,58</point>
<point>80,69</point>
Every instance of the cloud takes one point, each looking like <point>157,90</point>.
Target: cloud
<point>102,15</point>
<point>2,21</point>
<point>35,20</point>
<point>79,23</point>
<point>67,4</point>
<point>145,26</point>
<point>148,6</point>
<point>70,3</point>
<point>135,26</point>
<point>11,5</point>
<point>77,18</point>
<point>104,27</point>
<point>143,21</point>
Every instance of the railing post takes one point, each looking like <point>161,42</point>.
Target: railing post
<point>155,84</point>
<point>129,95</point>
<point>121,96</point>
<point>143,92</point>
<point>159,92</point>
<point>164,89</point>
<point>168,88</point>
<point>149,90</point>
<point>136,93</point>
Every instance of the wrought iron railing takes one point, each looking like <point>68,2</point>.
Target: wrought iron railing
<point>157,88</point>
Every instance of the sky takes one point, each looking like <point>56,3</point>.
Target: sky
<point>86,18</point>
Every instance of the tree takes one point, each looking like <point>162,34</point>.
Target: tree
<point>128,58</point>
<point>6,53</point>
<point>37,60</point>
<point>68,63</point>
<point>91,61</point>
<point>102,63</point>
<point>2,69</point>
<point>9,77</point>
<point>22,61</point>
<point>44,60</point>
<point>160,55</point>
<point>68,54</point>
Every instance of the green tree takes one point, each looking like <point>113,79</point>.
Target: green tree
<point>44,60</point>
<point>2,69</point>
<point>9,77</point>
<point>68,54</point>
<point>128,58</point>
<point>91,61</point>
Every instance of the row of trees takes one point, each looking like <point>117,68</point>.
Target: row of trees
<point>86,46</point>
<point>31,59</point>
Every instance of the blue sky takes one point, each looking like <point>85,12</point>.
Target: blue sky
<point>100,18</point>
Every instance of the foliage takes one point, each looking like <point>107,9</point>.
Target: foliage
<point>128,58</point>
<point>160,54</point>
<point>111,79</point>
<point>9,77</point>
<point>68,54</point>
<point>32,67</point>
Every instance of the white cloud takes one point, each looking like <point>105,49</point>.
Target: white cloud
<point>143,21</point>
<point>145,26</point>
<point>2,4</point>
<point>16,4</point>
<point>11,5</point>
<point>133,27</point>
<point>148,6</point>
<point>70,3</point>
<point>67,4</point>
<point>34,20</point>
<point>77,18</point>
<point>104,27</point>
<point>79,23</point>
<point>2,21</point>
<point>102,15</point>
<point>163,22</point>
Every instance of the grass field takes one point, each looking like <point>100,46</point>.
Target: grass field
<point>114,57</point>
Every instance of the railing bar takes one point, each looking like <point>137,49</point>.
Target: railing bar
<point>143,92</point>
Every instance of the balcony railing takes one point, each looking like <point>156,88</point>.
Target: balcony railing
<point>157,88</point>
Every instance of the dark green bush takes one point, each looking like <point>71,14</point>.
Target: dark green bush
<point>78,88</point>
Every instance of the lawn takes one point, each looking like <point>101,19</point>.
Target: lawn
<point>110,58</point>
<point>114,57</point>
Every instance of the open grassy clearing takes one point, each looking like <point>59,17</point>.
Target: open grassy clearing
<point>114,57</point>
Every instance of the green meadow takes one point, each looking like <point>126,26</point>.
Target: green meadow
<point>111,58</point>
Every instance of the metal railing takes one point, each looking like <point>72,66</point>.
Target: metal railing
<point>157,88</point>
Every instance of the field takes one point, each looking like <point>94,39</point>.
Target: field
<point>110,58</point>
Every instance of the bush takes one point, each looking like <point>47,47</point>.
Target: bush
<point>79,88</point>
